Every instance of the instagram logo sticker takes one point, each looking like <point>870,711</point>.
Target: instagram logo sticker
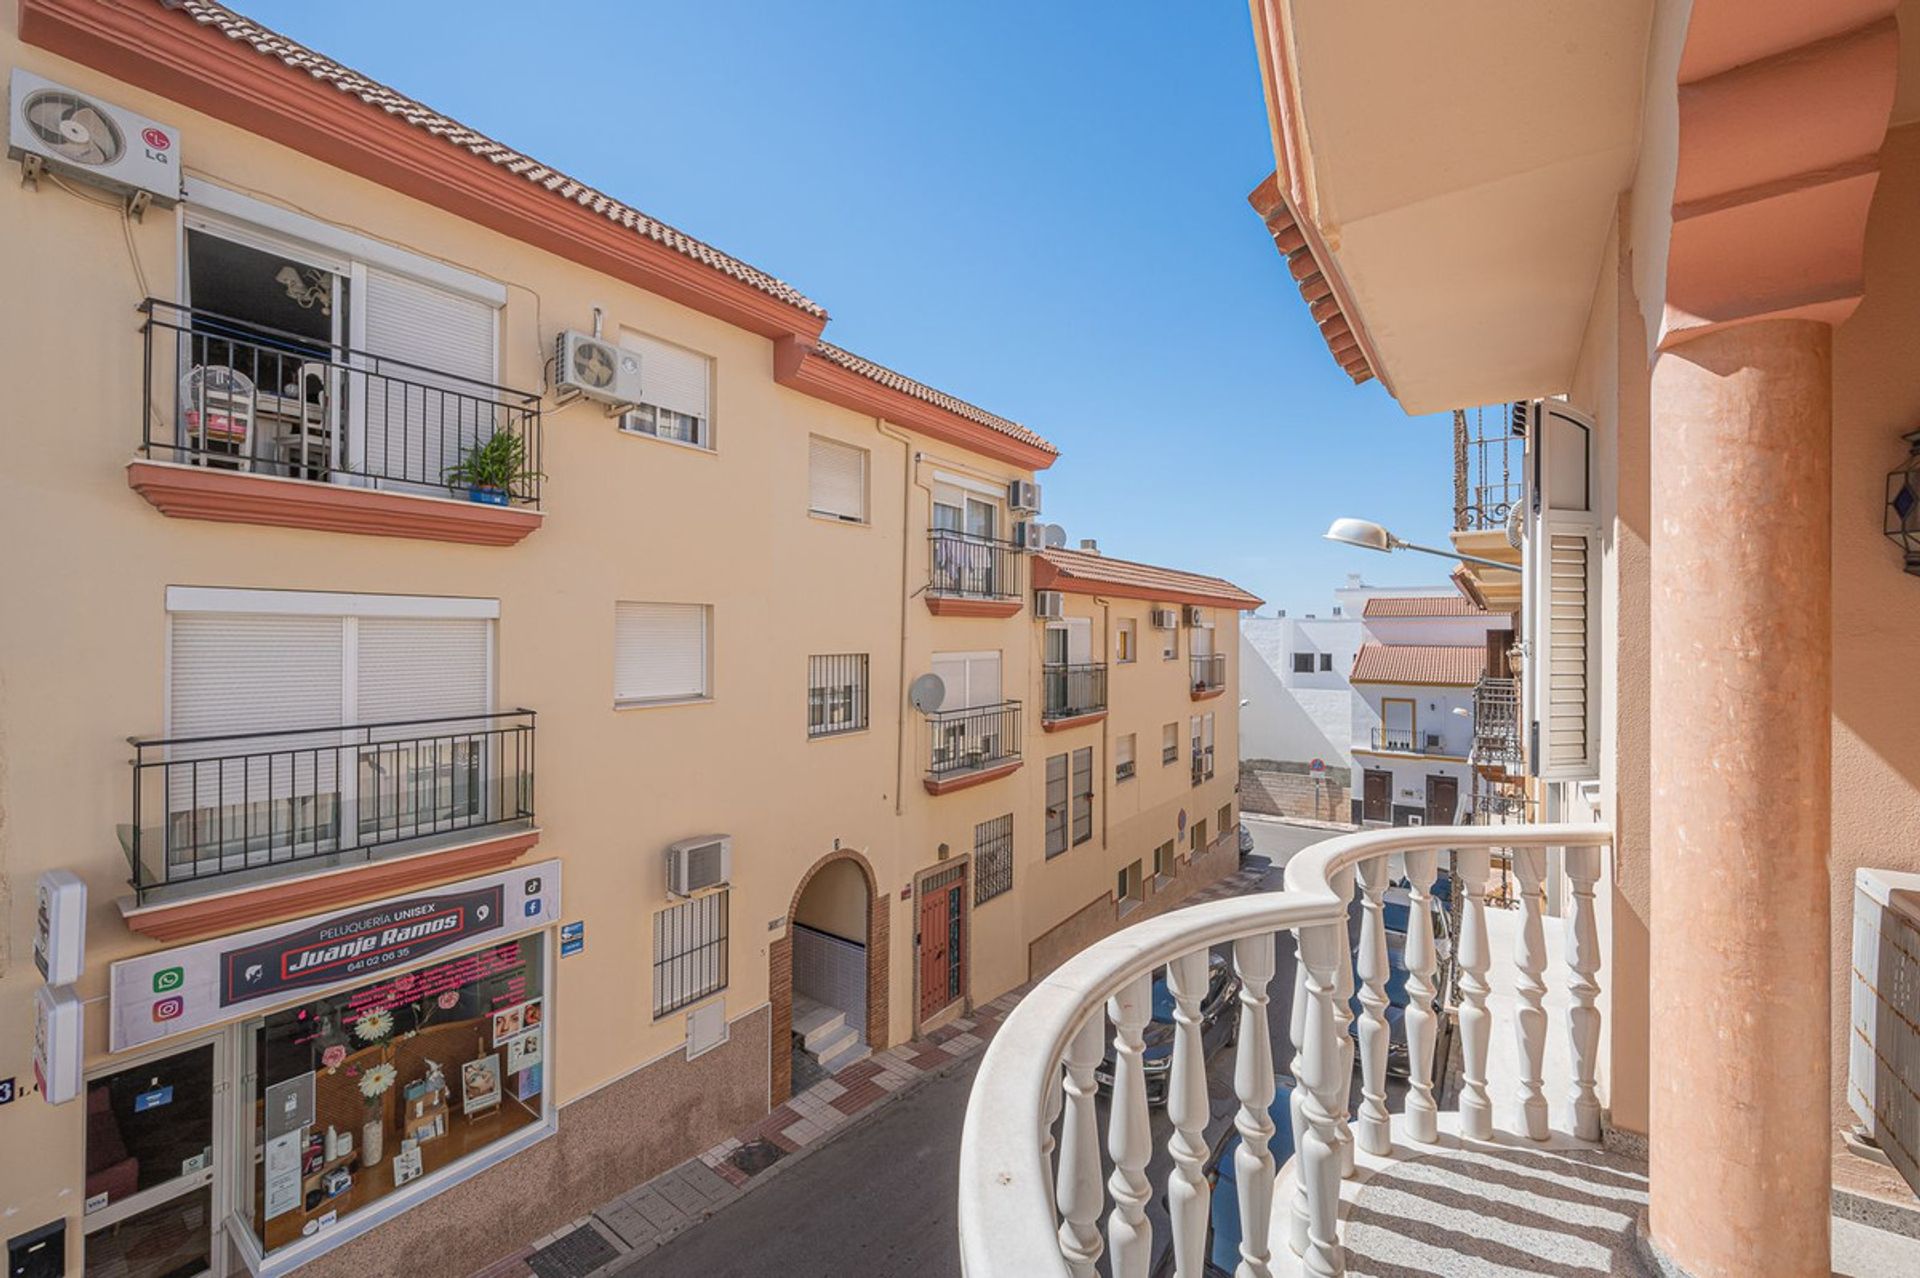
<point>166,1009</point>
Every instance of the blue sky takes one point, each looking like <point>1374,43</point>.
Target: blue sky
<point>1037,209</point>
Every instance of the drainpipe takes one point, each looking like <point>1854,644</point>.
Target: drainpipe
<point>911,457</point>
<point>1106,724</point>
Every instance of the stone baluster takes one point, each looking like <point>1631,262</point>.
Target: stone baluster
<point>1324,1091</point>
<point>1077,1190</point>
<point>1187,1193</point>
<point>1129,1140</point>
<point>1342,883</point>
<point>1297,1102</point>
<point>1583,961</point>
<point>1375,1135</point>
<point>1422,1117</point>
<point>1476,1108</point>
<point>1530,1020</point>
<point>1253,1167</point>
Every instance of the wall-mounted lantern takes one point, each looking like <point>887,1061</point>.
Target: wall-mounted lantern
<point>1903,504</point>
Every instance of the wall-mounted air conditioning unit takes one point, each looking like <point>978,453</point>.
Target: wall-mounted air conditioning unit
<point>596,368</point>
<point>1030,534</point>
<point>1049,605</point>
<point>1197,616</point>
<point>79,136</point>
<point>1023,497</point>
<point>1163,619</point>
<point>699,865</point>
<point>1414,818</point>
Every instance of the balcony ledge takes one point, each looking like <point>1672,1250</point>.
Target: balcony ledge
<point>1071,721</point>
<point>257,904</point>
<point>966,606</point>
<point>967,780</point>
<point>236,497</point>
<point>1208,694</point>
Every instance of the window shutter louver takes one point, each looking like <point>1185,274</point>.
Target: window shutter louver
<point>423,668</point>
<point>1563,584</point>
<point>972,679</point>
<point>416,422</point>
<point>671,377</point>
<point>837,479</point>
<point>660,651</point>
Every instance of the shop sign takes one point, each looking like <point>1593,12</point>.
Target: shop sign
<point>573,938</point>
<point>172,992</point>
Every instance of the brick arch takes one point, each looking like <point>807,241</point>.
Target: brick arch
<point>780,971</point>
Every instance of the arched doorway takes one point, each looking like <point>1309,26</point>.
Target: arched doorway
<point>828,974</point>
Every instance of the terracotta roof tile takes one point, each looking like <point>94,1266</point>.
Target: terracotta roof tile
<point>1419,663</point>
<point>274,45</point>
<point>1080,569</point>
<point>1335,329</point>
<point>900,382</point>
<point>1421,606</point>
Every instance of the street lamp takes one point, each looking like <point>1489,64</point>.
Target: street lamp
<point>1368,535</point>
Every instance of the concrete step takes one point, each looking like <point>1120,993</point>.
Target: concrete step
<point>816,1023</point>
<point>857,1050</point>
<point>830,1045</point>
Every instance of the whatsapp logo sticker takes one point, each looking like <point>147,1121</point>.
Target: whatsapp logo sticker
<point>169,978</point>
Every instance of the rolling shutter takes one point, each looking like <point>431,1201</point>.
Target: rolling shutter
<point>972,678</point>
<point>671,377</point>
<point>422,668</point>
<point>837,480</point>
<point>660,652</point>
<point>424,410</point>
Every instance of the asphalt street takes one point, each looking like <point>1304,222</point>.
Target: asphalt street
<point>879,1200</point>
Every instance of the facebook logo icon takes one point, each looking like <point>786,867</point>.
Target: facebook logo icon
<point>533,909</point>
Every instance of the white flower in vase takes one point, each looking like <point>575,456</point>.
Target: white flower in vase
<point>374,1026</point>
<point>375,1080</point>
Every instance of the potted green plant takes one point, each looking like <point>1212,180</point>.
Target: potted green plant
<point>490,468</point>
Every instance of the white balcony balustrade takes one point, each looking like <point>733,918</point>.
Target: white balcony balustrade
<point>1032,1207</point>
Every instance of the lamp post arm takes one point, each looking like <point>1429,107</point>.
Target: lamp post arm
<point>1454,554</point>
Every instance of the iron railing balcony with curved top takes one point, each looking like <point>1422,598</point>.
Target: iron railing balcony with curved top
<point>1209,671</point>
<point>971,740</point>
<point>962,565</point>
<point>1032,1192</point>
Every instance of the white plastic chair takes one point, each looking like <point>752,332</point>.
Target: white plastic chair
<point>217,411</point>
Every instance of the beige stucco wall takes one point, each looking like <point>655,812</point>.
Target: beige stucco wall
<point>1876,606</point>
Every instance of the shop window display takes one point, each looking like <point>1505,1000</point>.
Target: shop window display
<point>366,1090</point>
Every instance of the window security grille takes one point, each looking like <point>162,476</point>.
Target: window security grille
<point>689,952</point>
<point>836,693</point>
<point>992,858</point>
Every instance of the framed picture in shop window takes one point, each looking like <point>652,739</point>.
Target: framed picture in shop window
<point>480,1084</point>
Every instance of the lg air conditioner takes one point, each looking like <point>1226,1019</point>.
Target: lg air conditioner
<point>71,134</point>
<point>1049,605</point>
<point>596,368</point>
<point>1164,619</point>
<point>1023,497</point>
<point>699,865</point>
<point>1196,616</point>
<point>1030,535</point>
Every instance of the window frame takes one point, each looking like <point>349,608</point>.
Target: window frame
<point>1303,663</point>
<point>702,441</point>
<point>717,945</point>
<point>821,696</point>
<point>865,516</point>
<point>1126,641</point>
<point>992,859</point>
<point>1124,752</point>
<point>625,702</point>
<point>1170,744</point>
<point>1056,808</point>
<point>1082,799</point>
<point>1326,663</point>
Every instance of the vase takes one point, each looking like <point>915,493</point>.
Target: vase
<point>370,1137</point>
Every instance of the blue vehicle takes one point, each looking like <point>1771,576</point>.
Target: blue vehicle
<point>1219,1027</point>
<point>1223,1218</point>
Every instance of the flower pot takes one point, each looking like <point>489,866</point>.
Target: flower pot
<point>370,1139</point>
<point>487,496</point>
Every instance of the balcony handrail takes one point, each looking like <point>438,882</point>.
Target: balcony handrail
<point>1209,669</point>
<point>302,345</point>
<point>971,538</point>
<point>1008,1222</point>
<point>143,743</point>
<point>1072,688</point>
<point>961,712</point>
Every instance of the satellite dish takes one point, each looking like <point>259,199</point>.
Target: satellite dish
<point>1517,526</point>
<point>927,693</point>
<point>1053,536</point>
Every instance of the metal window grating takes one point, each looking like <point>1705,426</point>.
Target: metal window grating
<point>1083,794</point>
<point>837,699</point>
<point>992,858</point>
<point>689,952</point>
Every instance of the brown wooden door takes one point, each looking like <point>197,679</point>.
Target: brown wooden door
<point>1377,798</point>
<point>942,941</point>
<point>1443,800</point>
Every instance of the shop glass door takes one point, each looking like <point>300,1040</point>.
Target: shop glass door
<point>152,1167</point>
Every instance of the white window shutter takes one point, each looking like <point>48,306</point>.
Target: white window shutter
<point>417,421</point>
<point>837,479</point>
<point>660,651</point>
<point>1123,750</point>
<point>671,377</point>
<point>1565,653</point>
<point>423,668</point>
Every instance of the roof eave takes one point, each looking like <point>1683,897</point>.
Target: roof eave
<point>1050,576</point>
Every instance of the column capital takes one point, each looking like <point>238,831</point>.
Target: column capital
<point>1782,112</point>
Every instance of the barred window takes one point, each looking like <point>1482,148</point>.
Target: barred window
<point>1164,865</point>
<point>1083,794</point>
<point>1056,805</point>
<point>1170,743</point>
<point>836,694</point>
<point>992,858</point>
<point>689,952</point>
<point>1225,817</point>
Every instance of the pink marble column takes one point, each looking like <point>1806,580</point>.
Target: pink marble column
<point>1741,675</point>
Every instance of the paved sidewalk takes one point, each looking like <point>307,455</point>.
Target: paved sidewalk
<point>640,1220</point>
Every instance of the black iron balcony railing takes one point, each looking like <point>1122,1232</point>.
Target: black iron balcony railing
<point>1407,741</point>
<point>1496,723</point>
<point>231,395</point>
<point>290,799</point>
<point>973,739</point>
<point>972,566</point>
<point>1488,465</point>
<point>1209,671</point>
<point>1069,691</point>
<point>1202,764</point>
